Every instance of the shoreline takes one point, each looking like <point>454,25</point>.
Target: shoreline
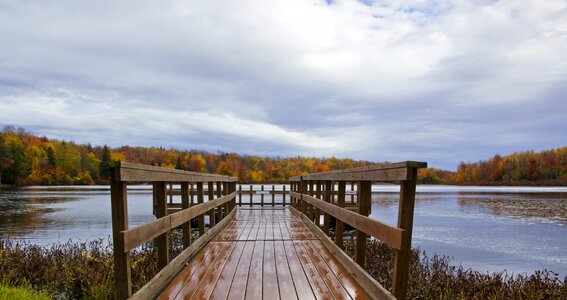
<point>476,184</point>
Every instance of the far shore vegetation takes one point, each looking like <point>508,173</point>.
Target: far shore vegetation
<point>29,159</point>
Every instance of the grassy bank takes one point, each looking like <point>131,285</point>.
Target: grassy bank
<point>84,270</point>
<point>8,292</point>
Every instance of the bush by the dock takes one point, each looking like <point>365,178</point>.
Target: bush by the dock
<point>437,278</point>
<point>24,292</point>
<point>84,270</point>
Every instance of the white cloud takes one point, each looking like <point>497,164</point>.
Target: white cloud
<point>441,80</point>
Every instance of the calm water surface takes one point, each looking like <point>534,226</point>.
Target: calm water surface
<point>520,229</point>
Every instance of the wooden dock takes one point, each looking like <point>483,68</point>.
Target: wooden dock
<point>266,250</point>
<point>264,254</point>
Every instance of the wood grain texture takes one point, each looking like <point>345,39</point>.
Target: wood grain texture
<point>162,240</point>
<point>373,289</point>
<point>387,172</point>
<point>273,268</point>
<point>364,195</point>
<point>137,235</point>
<point>185,204</point>
<point>384,232</point>
<point>119,207</point>
<point>151,289</point>
<point>405,221</point>
<point>339,227</point>
<point>130,172</point>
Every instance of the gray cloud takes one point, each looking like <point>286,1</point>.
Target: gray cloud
<point>440,81</point>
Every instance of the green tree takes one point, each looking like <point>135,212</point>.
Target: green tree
<point>179,163</point>
<point>20,168</point>
<point>105,162</point>
<point>6,160</point>
<point>51,161</point>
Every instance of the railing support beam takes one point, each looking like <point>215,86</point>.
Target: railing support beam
<point>364,198</point>
<point>162,241</point>
<point>122,282</point>
<point>405,221</point>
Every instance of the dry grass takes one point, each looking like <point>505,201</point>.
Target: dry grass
<point>84,270</point>
<point>436,278</point>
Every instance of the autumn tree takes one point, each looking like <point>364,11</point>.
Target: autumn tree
<point>179,163</point>
<point>105,161</point>
<point>20,168</point>
<point>6,160</point>
<point>51,161</point>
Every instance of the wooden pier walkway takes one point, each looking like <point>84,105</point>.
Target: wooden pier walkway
<point>262,250</point>
<point>264,254</point>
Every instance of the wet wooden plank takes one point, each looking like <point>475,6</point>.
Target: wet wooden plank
<point>352,287</point>
<point>245,231</point>
<point>253,231</point>
<point>284,230</point>
<point>269,231</point>
<point>285,281</point>
<point>276,229</point>
<point>204,257</point>
<point>300,281</point>
<point>318,286</point>
<point>272,266</point>
<point>254,285</point>
<point>222,286</point>
<point>325,272</point>
<point>192,284</point>
<point>238,286</point>
<point>270,289</point>
<point>261,231</point>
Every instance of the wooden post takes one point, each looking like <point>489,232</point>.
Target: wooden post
<point>184,205</point>
<point>291,189</point>
<point>192,193</point>
<point>162,242</point>
<point>210,193</point>
<point>273,195</point>
<point>251,189</point>
<point>283,195</point>
<point>352,193</point>
<point>222,192</point>
<point>303,190</point>
<point>119,204</point>
<point>222,211</point>
<point>405,221</point>
<point>200,200</point>
<point>233,189</point>
<point>328,195</point>
<point>339,227</point>
<point>363,199</point>
<point>318,195</point>
<point>262,195</point>
<point>240,195</point>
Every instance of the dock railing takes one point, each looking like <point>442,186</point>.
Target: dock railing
<point>313,195</point>
<point>221,192</point>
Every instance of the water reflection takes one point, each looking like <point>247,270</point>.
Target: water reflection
<point>488,229</point>
<point>547,207</point>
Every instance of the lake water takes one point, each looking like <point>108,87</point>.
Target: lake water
<point>520,229</point>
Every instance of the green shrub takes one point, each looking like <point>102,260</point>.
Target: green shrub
<point>8,292</point>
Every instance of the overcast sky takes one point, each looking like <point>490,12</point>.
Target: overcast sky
<point>435,81</point>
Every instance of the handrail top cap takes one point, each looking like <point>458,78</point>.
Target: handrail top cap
<point>148,168</point>
<point>375,167</point>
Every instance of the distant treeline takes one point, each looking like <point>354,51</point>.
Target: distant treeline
<point>28,159</point>
<point>547,167</point>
